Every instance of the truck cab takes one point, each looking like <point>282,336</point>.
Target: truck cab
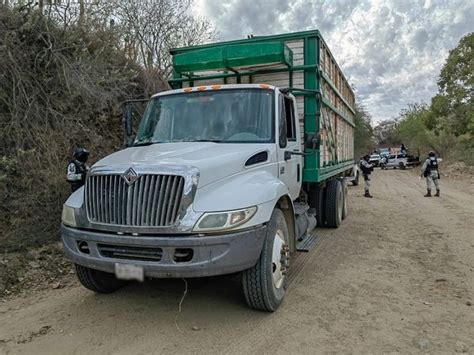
<point>207,188</point>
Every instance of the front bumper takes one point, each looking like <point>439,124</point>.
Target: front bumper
<point>210,255</point>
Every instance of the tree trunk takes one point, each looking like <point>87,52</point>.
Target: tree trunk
<point>81,13</point>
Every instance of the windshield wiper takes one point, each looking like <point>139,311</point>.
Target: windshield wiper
<point>144,143</point>
<point>207,140</point>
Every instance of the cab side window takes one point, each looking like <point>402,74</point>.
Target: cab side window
<point>282,123</point>
<point>290,119</point>
<point>287,124</point>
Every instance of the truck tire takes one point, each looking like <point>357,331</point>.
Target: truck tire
<point>355,182</point>
<point>346,198</point>
<point>265,283</point>
<point>334,203</point>
<point>97,281</point>
<point>402,166</point>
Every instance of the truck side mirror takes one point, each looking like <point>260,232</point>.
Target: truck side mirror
<point>131,109</point>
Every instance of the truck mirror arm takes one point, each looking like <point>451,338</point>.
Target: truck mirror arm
<point>312,141</point>
<point>289,153</point>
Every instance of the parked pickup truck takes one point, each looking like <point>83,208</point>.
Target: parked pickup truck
<point>228,172</point>
<point>375,159</point>
<point>401,161</point>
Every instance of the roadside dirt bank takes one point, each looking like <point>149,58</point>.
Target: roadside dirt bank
<point>398,276</point>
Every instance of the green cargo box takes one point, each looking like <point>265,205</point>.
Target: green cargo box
<point>299,61</point>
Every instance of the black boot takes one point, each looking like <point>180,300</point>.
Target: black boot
<point>437,193</point>
<point>428,193</point>
<point>367,194</point>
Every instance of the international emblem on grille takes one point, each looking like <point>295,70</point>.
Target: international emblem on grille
<point>130,176</point>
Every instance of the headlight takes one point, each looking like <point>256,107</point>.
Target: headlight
<point>216,221</point>
<point>68,216</point>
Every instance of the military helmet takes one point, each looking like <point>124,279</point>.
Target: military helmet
<point>431,154</point>
<point>81,154</point>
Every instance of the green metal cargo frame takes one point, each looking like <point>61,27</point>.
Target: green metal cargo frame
<point>234,58</point>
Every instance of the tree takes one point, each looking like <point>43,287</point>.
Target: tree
<point>146,30</point>
<point>412,129</point>
<point>363,132</point>
<point>386,133</point>
<point>65,69</point>
<point>453,107</point>
<point>151,28</point>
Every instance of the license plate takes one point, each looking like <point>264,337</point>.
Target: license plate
<point>129,272</point>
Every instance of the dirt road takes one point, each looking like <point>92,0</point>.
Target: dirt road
<point>398,276</point>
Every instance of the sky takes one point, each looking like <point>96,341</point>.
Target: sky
<point>391,51</point>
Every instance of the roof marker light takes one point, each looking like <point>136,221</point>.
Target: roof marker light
<point>215,87</point>
<point>201,88</point>
<point>265,86</point>
<point>188,89</point>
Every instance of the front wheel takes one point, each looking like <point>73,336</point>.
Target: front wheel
<point>97,281</point>
<point>265,283</point>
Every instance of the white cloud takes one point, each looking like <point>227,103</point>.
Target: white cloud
<point>391,50</point>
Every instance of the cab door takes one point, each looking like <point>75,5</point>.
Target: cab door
<point>290,160</point>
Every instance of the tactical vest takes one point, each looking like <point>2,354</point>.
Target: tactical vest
<point>365,170</point>
<point>433,165</point>
<point>81,168</point>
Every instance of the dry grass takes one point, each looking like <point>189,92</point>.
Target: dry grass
<point>59,89</point>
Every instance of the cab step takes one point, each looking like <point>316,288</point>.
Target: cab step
<point>307,243</point>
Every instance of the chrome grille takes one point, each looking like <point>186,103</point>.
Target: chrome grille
<point>152,200</point>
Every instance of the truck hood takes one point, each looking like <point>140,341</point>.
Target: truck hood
<point>215,161</point>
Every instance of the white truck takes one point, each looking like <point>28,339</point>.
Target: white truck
<point>222,177</point>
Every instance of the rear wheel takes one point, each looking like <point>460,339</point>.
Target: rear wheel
<point>334,203</point>
<point>265,283</point>
<point>97,281</point>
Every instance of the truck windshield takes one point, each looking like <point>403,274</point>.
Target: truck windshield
<point>222,116</point>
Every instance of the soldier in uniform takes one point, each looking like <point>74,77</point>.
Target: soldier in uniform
<point>367,169</point>
<point>403,149</point>
<point>430,171</point>
<point>77,168</point>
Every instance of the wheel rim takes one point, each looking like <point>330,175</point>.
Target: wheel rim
<point>277,266</point>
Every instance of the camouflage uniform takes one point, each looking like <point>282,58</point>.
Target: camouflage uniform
<point>77,169</point>
<point>430,172</point>
<point>367,169</point>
